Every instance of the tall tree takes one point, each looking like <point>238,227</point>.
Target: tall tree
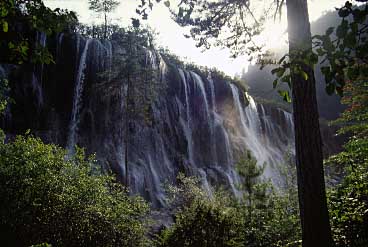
<point>233,24</point>
<point>308,144</point>
<point>105,7</point>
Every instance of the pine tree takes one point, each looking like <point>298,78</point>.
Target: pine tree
<point>105,7</point>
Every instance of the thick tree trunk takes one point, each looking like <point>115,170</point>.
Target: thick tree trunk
<point>309,159</point>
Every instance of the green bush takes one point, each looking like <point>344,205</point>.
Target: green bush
<point>262,218</point>
<point>200,220</point>
<point>271,217</point>
<point>349,201</point>
<point>204,224</point>
<point>45,197</point>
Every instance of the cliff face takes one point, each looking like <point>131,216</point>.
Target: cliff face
<point>193,124</point>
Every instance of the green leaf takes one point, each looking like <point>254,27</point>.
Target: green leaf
<point>278,71</point>
<point>285,95</point>
<point>167,4</point>
<point>303,74</point>
<point>5,27</point>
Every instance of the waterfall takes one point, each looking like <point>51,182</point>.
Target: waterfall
<point>203,178</point>
<point>213,97</point>
<point>77,100</point>
<point>188,126</point>
<point>199,82</point>
<point>37,89</point>
<point>217,121</point>
<point>199,126</point>
<point>263,151</point>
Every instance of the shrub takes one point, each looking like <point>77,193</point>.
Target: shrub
<point>349,201</point>
<point>206,224</point>
<point>64,202</point>
<point>201,219</point>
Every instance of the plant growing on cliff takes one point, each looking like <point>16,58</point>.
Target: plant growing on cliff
<point>105,7</point>
<point>136,77</point>
<point>46,198</point>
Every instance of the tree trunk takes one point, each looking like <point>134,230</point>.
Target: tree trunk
<point>316,230</point>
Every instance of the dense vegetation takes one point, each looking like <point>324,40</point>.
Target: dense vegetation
<point>262,216</point>
<point>349,200</point>
<point>65,202</point>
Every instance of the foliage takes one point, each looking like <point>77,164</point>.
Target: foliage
<point>140,67</point>
<point>42,245</point>
<point>344,48</point>
<point>21,21</point>
<point>65,202</point>
<point>201,220</point>
<point>262,217</point>
<point>204,224</point>
<point>270,218</point>
<point>296,63</point>
<point>222,23</point>
<point>98,31</point>
<point>4,99</point>
<point>105,7</point>
<point>185,192</point>
<point>354,119</point>
<point>343,55</point>
<point>349,200</point>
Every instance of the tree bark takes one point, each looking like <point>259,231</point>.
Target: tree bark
<point>314,216</point>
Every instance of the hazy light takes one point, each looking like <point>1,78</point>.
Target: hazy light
<point>171,35</point>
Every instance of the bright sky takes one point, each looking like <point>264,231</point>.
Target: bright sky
<point>171,35</point>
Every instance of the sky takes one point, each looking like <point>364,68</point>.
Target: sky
<point>172,37</point>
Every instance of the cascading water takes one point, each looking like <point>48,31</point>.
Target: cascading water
<point>187,127</point>
<point>197,125</point>
<point>200,84</point>
<point>265,146</point>
<point>78,91</point>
